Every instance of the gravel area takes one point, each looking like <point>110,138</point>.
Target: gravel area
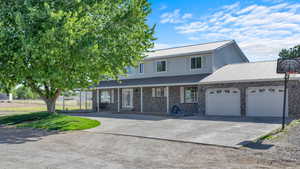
<point>287,145</point>
<point>36,149</point>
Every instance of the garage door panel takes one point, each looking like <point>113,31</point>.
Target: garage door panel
<point>265,101</point>
<point>224,102</point>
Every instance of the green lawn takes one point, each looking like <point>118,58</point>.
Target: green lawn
<point>49,121</point>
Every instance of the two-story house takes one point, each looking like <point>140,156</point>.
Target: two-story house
<point>206,79</point>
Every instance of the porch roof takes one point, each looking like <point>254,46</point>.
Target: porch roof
<point>154,81</point>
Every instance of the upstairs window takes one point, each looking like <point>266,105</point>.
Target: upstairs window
<point>161,66</point>
<point>196,62</point>
<point>141,68</point>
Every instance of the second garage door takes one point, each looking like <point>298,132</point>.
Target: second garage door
<point>265,101</point>
<point>223,102</point>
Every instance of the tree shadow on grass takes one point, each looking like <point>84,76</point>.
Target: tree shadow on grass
<point>11,135</point>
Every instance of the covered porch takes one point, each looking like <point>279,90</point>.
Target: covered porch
<point>159,97</point>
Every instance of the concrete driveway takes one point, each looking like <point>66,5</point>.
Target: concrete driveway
<point>221,131</point>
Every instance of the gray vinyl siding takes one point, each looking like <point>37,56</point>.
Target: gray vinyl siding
<point>227,55</point>
<point>176,66</point>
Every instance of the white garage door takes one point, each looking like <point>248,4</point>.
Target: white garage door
<point>223,102</point>
<point>265,101</point>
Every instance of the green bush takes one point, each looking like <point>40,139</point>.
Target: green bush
<point>24,93</point>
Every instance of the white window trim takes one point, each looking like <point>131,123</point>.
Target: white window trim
<point>161,61</point>
<point>191,63</point>
<point>139,67</point>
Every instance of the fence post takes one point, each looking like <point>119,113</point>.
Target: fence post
<point>80,100</point>
<point>85,100</point>
<point>63,106</point>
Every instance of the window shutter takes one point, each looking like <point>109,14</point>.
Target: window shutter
<point>153,92</point>
<point>181,94</point>
<point>112,96</point>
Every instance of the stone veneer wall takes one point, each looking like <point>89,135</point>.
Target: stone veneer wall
<point>155,105</point>
<point>293,94</point>
<point>174,93</point>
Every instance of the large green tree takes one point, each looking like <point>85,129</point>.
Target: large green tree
<point>54,46</point>
<point>290,53</point>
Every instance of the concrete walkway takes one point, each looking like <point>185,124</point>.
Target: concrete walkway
<point>221,131</point>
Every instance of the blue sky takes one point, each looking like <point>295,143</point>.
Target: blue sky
<point>261,28</point>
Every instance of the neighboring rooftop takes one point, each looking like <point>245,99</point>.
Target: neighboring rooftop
<point>199,48</point>
<point>154,81</point>
<point>246,72</point>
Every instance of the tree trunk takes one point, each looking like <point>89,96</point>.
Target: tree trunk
<point>50,105</point>
<point>51,101</point>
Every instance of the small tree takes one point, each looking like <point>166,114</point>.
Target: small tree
<point>23,92</point>
<point>54,46</point>
<point>290,53</point>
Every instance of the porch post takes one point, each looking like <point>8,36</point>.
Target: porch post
<point>118,100</point>
<point>168,99</point>
<point>98,100</point>
<point>142,106</point>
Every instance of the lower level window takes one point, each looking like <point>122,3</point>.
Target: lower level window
<point>158,92</point>
<point>106,96</point>
<point>190,94</point>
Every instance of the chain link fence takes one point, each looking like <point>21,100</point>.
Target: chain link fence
<point>76,101</point>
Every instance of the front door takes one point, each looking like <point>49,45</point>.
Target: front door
<point>127,98</point>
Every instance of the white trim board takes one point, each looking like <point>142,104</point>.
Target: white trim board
<point>154,85</point>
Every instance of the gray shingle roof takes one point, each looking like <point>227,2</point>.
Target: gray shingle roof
<point>182,50</point>
<point>246,72</point>
<point>155,81</point>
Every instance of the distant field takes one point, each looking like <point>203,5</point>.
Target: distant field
<point>39,105</point>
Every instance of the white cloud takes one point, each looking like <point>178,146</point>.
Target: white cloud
<point>232,6</point>
<point>187,16</point>
<point>193,38</point>
<point>261,30</point>
<point>162,7</point>
<point>175,17</point>
<point>161,46</point>
<point>192,27</point>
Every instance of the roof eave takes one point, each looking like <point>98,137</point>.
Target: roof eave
<point>179,55</point>
<point>149,85</point>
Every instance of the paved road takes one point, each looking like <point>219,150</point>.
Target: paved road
<point>36,149</point>
<point>222,131</point>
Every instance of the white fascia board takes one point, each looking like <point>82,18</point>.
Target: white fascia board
<point>154,85</point>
